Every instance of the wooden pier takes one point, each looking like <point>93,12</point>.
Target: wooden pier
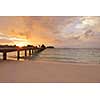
<point>31,50</point>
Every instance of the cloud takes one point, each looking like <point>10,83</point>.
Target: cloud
<point>61,31</point>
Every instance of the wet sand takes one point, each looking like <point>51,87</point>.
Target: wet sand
<point>48,72</point>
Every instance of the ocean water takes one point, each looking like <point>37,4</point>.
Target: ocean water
<point>71,55</point>
<point>67,55</point>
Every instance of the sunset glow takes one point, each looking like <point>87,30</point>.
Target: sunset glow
<point>58,31</point>
<point>21,44</point>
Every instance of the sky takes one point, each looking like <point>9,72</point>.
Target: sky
<point>59,31</point>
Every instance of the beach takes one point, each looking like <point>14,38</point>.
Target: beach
<point>48,72</point>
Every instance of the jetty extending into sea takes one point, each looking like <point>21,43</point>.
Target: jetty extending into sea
<point>31,49</point>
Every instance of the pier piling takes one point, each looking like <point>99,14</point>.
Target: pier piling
<point>25,52</point>
<point>4,55</point>
<point>29,52</point>
<point>18,55</point>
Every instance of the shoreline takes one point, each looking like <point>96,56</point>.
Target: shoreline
<point>51,61</point>
<point>48,72</point>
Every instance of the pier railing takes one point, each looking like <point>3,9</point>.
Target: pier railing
<point>31,50</point>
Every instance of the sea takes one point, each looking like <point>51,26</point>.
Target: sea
<point>66,55</point>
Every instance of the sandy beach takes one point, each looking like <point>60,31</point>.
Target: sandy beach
<point>42,71</point>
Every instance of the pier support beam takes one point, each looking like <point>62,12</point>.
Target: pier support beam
<point>18,55</point>
<point>32,51</point>
<point>35,50</point>
<point>4,55</point>
<point>29,52</point>
<point>25,53</point>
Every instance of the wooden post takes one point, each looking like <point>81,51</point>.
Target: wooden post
<point>25,52</point>
<point>36,50</point>
<point>4,55</point>
<point>29,52</point>
<point>18,55</point>
<point>32,51</point>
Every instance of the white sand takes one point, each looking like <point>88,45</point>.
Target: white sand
<point>31,71</point>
